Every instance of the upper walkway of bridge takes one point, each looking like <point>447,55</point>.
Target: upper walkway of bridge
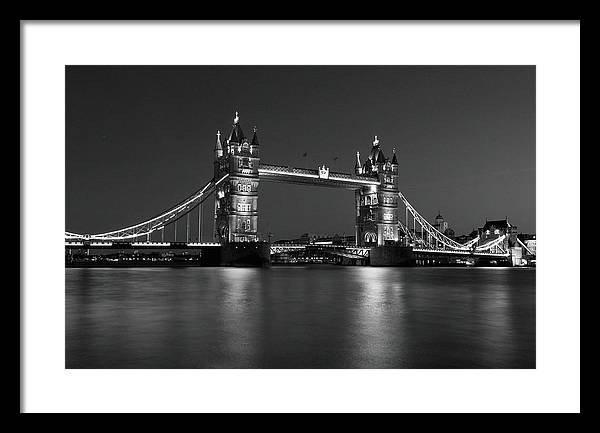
<point>321,176</point>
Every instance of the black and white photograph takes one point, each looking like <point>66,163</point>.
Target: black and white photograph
<point>303,218</point>
<point>300,217</point>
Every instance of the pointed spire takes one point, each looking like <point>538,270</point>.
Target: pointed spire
<point>218,147</point>
<point>380,157</point>
<point>237,135</point>
<point>358,165</point>
<point>394,159</point>
<point>218,144</point>
<point>375,151</point>
<point>368,165</point>
<point>254,138</point>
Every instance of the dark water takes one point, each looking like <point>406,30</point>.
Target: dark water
<point>289,317</point>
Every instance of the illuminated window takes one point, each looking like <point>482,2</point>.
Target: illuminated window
<point>244,163</point>
<point>244,187</point>
<point>370,237</point>
<point>388,233</point>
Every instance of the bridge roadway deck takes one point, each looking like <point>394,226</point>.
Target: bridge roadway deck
<point>275,248</point>
<point>140,245</point>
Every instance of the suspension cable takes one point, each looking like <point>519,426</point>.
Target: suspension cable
<point>159,222</point>
<point>425,225</point>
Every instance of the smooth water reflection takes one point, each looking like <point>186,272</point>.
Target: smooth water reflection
<point>293,317</point>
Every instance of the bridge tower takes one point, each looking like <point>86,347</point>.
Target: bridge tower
<point>377,205</point>
<point>236,199</point>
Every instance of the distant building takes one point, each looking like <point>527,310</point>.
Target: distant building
<point>306,239</point>
<point>494,229</point>
<point>524,237</point>
<point>529,241</point>
<point>334,240</point>
<point>450,233</point>
<point>463,239</point>
<point>440,224</point>
<point>530,244</point>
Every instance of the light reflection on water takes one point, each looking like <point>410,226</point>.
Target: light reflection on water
<point>293,317</point>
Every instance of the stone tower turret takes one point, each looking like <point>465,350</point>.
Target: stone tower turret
<point>236,198</point>
<point>377,206</point>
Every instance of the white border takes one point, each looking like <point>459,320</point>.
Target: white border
<point>555,50</point>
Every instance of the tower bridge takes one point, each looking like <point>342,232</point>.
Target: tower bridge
<point>388,229</point>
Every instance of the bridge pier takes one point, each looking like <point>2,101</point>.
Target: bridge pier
<point>255,254</point>
<point>145,254</point>
<point>391,255</point>
<point>493,262</point>
<point>516,256</point>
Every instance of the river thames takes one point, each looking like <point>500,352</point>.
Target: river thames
<point>300,317</point>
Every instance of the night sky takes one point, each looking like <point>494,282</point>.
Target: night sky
<point>139,139</point>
